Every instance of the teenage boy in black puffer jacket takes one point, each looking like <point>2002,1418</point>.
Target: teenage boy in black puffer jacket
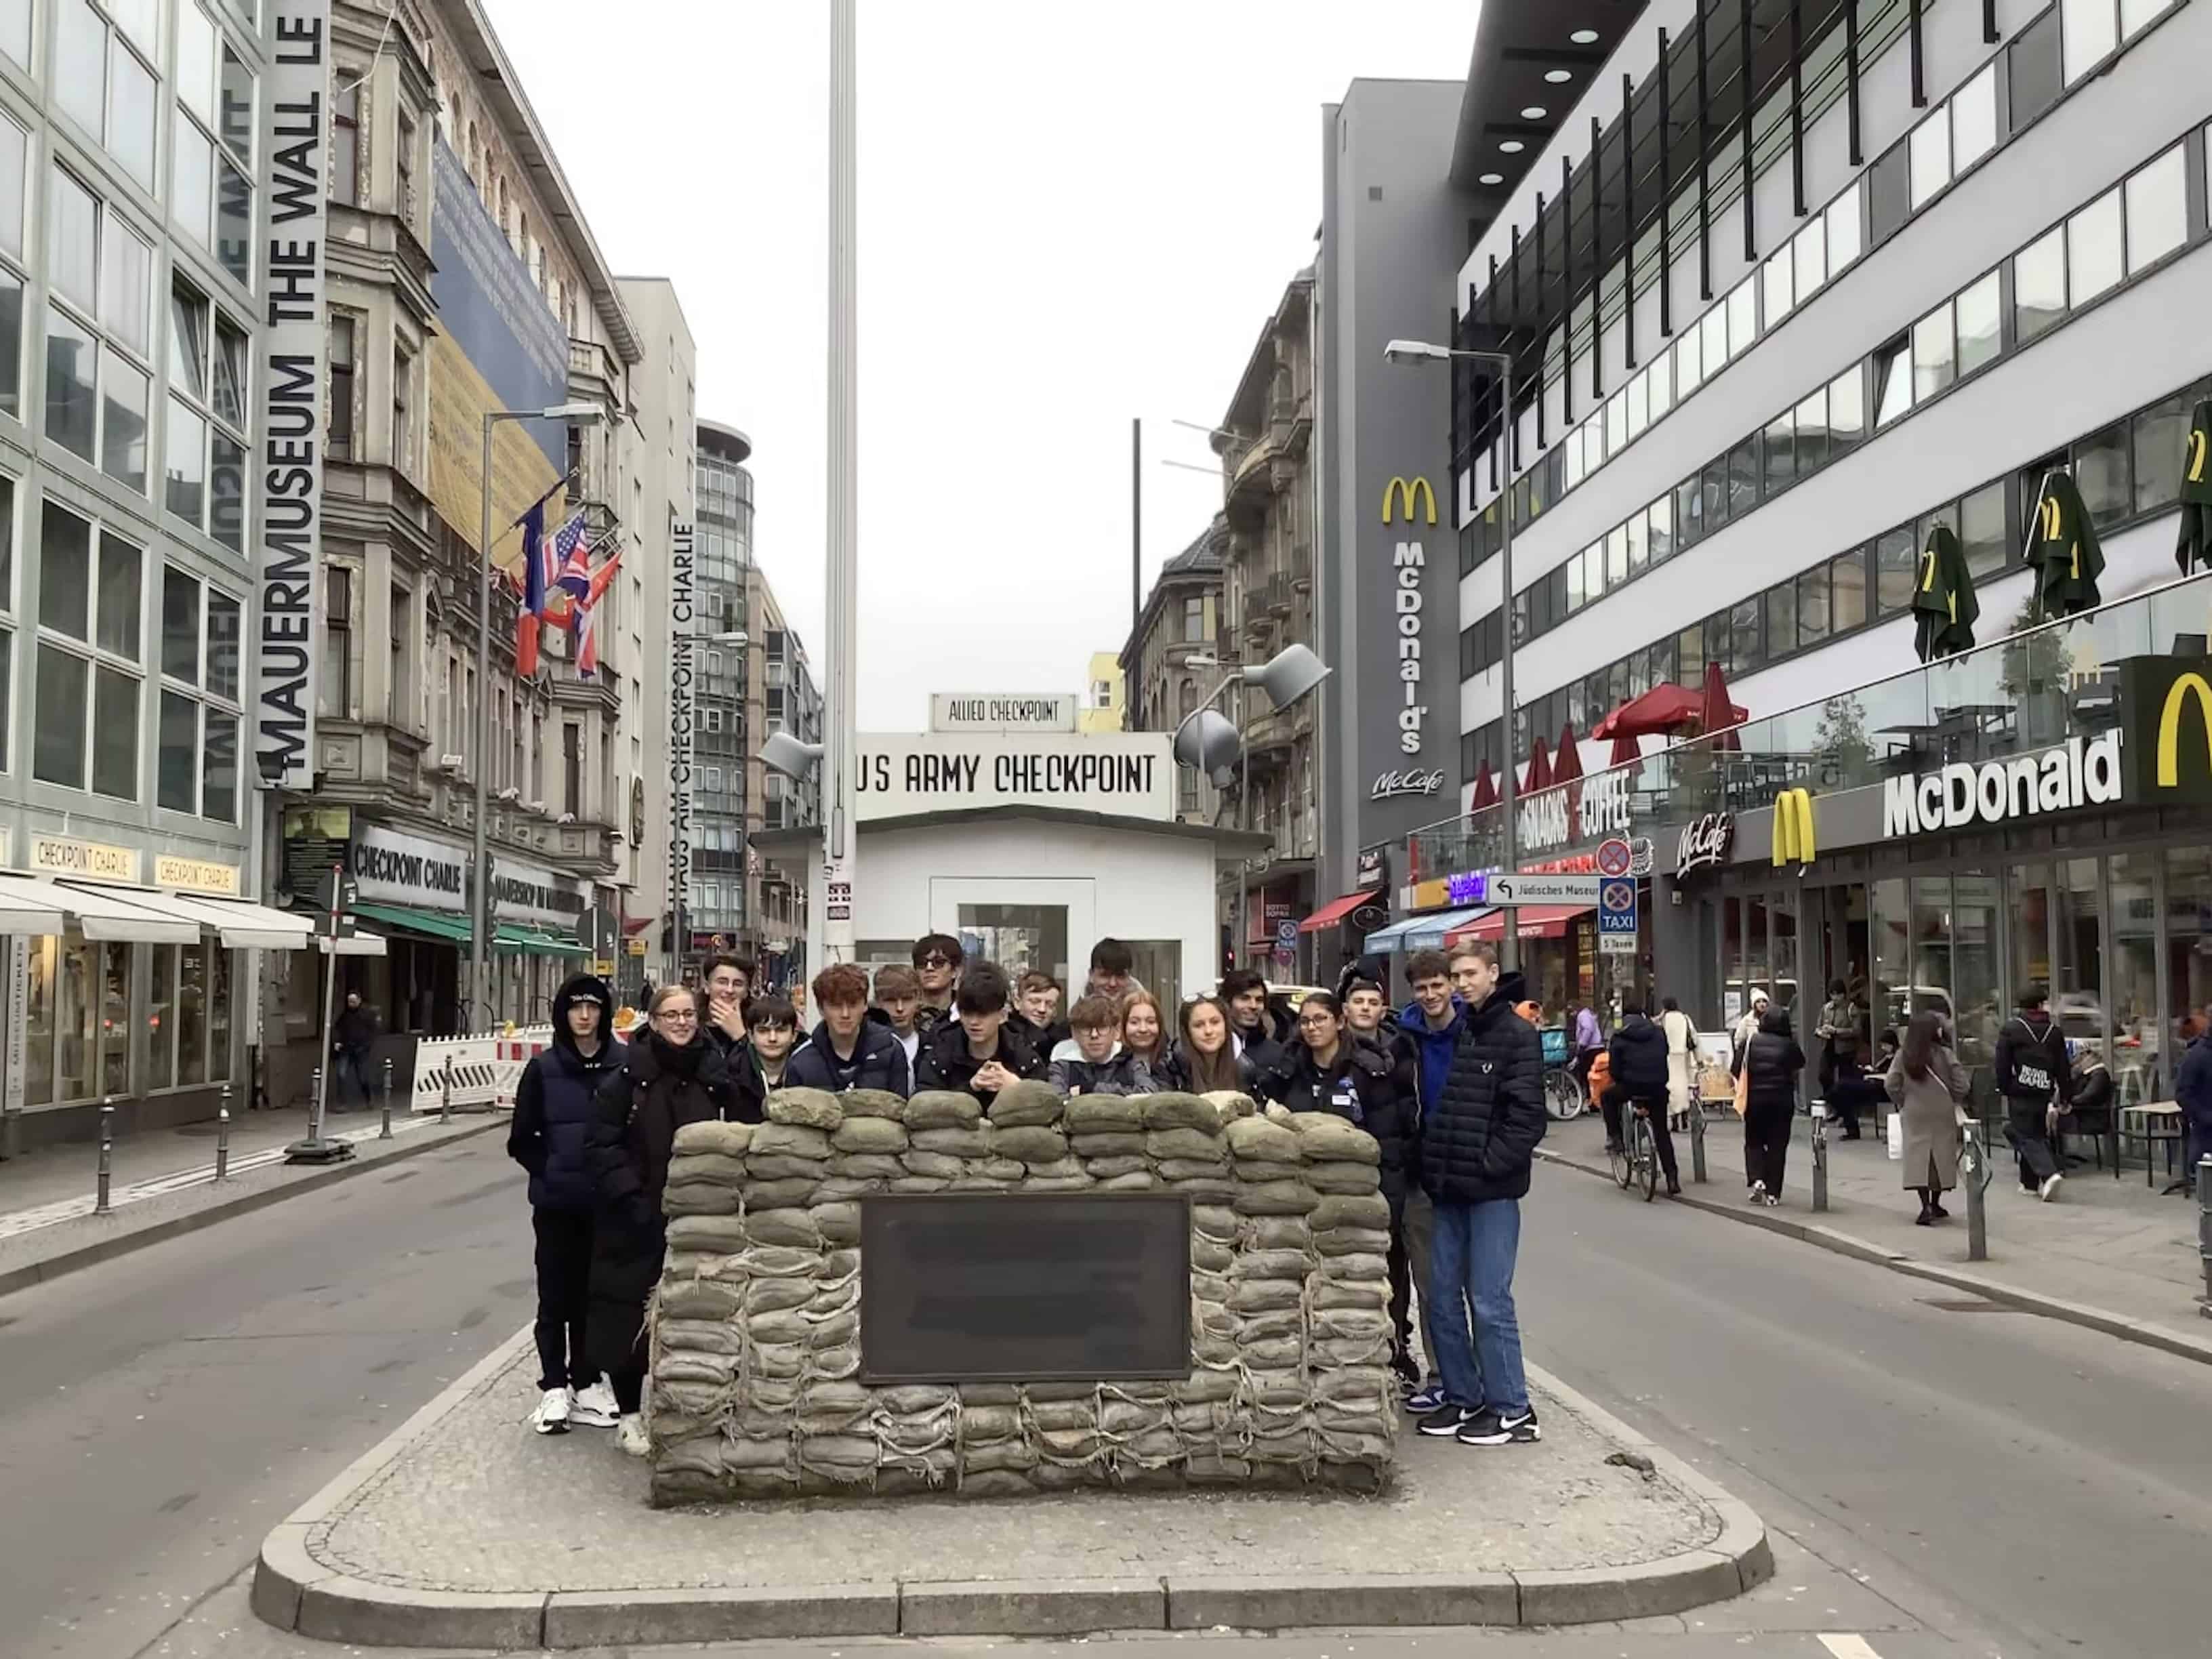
<point>1478,1141</point>
<point>553,1106</point>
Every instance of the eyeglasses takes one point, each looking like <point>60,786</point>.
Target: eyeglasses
<point>678,1016</point>
<point>936,962</point>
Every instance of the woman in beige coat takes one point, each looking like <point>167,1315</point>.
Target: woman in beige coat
<point>1929,1087</point>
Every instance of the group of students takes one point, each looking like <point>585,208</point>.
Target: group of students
<point>1450,1087</point>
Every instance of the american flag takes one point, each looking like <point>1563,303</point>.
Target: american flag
<point>569,556</point>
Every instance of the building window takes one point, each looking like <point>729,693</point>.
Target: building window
<point>2093,251</point>
<point>339,442</point>
<point>346,143</point>
<point>1934,353</point>
<point>2038,286</point>
<point>402,422</point>
<point>1193,619</point>
<point>1974,119</point>
<point>100,273</point>
<point>400,707</point>
<point>196,766</point>
<point>89,656</point>
<point>337,699</point>
<point>572,768</point>
<point>403,159</point>
<point>2157,209</point>
<point>103,84</point>
<point>205,483</point>
<point>2091,30</point>
<point>212,197</point>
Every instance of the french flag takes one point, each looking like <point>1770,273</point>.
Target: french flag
<point>536,556</point>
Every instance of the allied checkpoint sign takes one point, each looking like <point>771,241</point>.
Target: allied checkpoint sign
<point>1017,1287</point>
<point>1129,775</point>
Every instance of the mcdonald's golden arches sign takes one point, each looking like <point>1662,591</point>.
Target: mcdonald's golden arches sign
<point>2169,704</point>
<point>1793,828</point>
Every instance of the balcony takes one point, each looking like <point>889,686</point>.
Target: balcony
<point>594,374</point>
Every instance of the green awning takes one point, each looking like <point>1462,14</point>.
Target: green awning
<point>432,924</point>
<point>537,942</point>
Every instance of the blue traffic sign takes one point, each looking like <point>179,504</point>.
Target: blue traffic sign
<point>1616,905</point>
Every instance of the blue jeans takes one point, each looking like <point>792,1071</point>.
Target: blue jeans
<point>1473,1254</point>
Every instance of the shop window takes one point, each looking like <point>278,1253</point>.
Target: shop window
<point>2038,286</point>
<point>2077,983</point>
<point>2094,262</point>
<point>2135,929</point>
<point>195,992</point>
<point>2188,964</point>
<point>2033,81</point>
<point>2157,209</point>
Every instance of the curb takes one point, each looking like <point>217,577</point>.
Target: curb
<point>2141,1331</point>
<point>244,1203</point>
<point>294,1591</point>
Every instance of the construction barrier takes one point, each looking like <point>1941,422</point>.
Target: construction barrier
<point>478,1073</point>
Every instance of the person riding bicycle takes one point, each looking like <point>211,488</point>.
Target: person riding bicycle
<point>1638,1055</point>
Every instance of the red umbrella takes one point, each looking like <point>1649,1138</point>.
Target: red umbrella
<point>1567,760</point>
<point>1485,790</point>
<point>1540,768</point>
<point>1716,713</point>
<point>1627,749</point>
<point>1665,708</point>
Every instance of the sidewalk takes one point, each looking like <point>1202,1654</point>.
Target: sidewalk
<point>466,1529</point>
<point>2104,1252</point>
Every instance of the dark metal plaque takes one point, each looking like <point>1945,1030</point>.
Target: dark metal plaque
<point>1020,1288</point>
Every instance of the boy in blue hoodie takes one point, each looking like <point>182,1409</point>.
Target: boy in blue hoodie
<point>1431,1022</point>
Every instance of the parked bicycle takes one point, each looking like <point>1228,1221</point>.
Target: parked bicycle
<point>1565,1097</point>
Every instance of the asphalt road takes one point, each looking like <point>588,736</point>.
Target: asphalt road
<point>1938,1481</point>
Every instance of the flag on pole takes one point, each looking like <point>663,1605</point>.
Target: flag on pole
<point>584,620</point>
<point>601,577</point>
<point>570,559</point>
<point>534,558</point>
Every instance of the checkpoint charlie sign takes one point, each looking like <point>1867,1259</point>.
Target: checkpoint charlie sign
<point>1128,775</point>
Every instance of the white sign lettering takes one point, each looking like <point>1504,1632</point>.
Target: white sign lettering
<point>679,727</point>
<point>1705,840</point>
<point>2081,773</point>
<point>291,388</point>
<point>1126,773</point>
<point>963,712</point>
<point>401,869</point>
<point>1551,818</point>
<point>1392,786</point>
<point>1411,564</point>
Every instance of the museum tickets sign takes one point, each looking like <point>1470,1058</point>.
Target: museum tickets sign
<point>1123,774</point>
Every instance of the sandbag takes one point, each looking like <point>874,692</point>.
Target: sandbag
<point>1032,1145</point>
<point>1269,1168</point>
<point>973,1141</point>
<point>914,1183</point>
<point>1277,1233</point>
<point>1372,1212</point>
<point>1231,1104</point>
<point>1026,1103</point>
<point>1273,1264</point>
<point>1359,1266</point>
<point>1137,1181</point>
<point>815,1108</point>
<point>1183,1143</point>
<point>716,1235</point>
<point>1278,1198</point>
<point>1205,1189</point>
<point>1104,1112</point>
<point>729,1139</point>
<point>699,1298</point>
<point>1107,1143</point>
<point>791,1140</point>
<point>698,1198</point>
<point>1351,1241</point>
<point>943,1108</point>
<point>794,1227</point>
<point>1106,1169</point>
<point>1344,1177</point>
<point>941,1166</point>
<point>1258,1138</point>
<point>1173,1110</point>
<point>1266,1296</point>
<point>868,1135</point>
<point>872,1103</point>
<point>839,1224</point>
<point>704,1166</point>
<point>1193,1169</point>
<point>780,1194</point>
<point>1213,1222</point>
<point>781,1166</point>
<point>1329,1293</point>
<point>1328,1139</point>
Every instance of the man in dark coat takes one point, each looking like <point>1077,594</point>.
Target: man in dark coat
<point>976,1053</point>
<point>848,1050</point>
<point>2032,1073</point>
<point>553,1108</point>
<point>1478,1142</point>
<point>1639,1054</point>
<point>1263,1026</point>
<point>2192,1090</point>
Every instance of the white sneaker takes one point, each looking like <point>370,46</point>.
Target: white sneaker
<point>595,1407</point>
<point>1757,1193</point>
<point>2049,1190</point>
<point>551,1416</point>
<point>630,1435</point>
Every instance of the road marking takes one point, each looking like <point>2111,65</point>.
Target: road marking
<point>20,1222</point>
<point>1847,1647</point>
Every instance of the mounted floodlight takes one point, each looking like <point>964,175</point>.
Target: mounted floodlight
<point>1288,675</point>
<point>582,414</point>
<point>786,754</point>
<point>1402,351</point>
<point>1208,742</point>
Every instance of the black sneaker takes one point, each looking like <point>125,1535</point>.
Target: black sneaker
<point>1447,1421</point>
<point>1488,1427</point>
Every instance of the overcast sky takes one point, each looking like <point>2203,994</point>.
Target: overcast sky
<point>1068,216</point>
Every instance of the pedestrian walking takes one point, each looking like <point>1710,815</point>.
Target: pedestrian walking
<point>845,1050</point>
<point>975,1053</point>
<point>1206,1059</point>
<point>2192,1090</point>
<point>1747,1028</point>
<point>2032,1074</point>
<point>553,1106</point>
<point>353,1044</point>
<point>1640,1075</point>
<point>1929,1085</point>
<point>1768,1069</point>
<point>1429,1027</point>
<point>1477,1145</point>
<point>1681,1062</point>
<point>671,1077</point>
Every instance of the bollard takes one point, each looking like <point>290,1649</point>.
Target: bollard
<point>1974,1176</point>
<point>2204,1228</point>
<point>1697,1142</point>
<point>446,1094</point>
<point>222,1137</point>
<point>384,1130</point>
<point>1819,1157</point>
<point>106,1154</point>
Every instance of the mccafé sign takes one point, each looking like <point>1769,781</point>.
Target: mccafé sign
<point>2085,772</point>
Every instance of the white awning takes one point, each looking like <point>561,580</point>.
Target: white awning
<point>29,907</point>
<point>244,925</point>
<point>98,913</point>
<point>352,944</point>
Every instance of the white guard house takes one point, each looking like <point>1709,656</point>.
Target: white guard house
<point>1030,846</point>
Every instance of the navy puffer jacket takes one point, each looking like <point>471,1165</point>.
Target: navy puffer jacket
<point>1480,1139</point>
<point>554,1103</point>
<point>878,1062</point>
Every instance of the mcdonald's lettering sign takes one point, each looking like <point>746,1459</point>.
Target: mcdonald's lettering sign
<point>1793,828</point>
<point>2169,701</point>
<point>1408,567</point>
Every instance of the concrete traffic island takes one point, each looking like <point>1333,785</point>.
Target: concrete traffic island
<point>466,1529</point>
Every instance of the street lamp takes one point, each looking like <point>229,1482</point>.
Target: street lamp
<point>578,413</point>
<point>1207,742</point>
<point>1501,362</point>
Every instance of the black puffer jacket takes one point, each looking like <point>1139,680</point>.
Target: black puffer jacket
<point>1358,1086</point>
<point>943,1061</point>
<point>878,1062</point>
<point>556,1101</point>
<point>1638,1053</point>
<point>2030,1063</point>
<point>1480,1139</point>
<point>1772,1060</point>
<point>640,1106</point>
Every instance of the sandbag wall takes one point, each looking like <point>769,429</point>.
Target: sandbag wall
<point>755,1328</point>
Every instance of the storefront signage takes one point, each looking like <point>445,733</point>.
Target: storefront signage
<point>1395,786</point>
<point>1373,869</point>
<point>1586,810</point>
<point>1124,774</point>
<point>2169,700</point>
<point>2085,772</point>
<point>1793,828</point>
<point>291,385</point>
<point>1408,564</point>
<point>1704,841</point>
<point>680,724</point>
<point>196,875</point>
<point>53,855</point>
<point>1463,889</point>
<point>954,711</point>
<point>526,892</point>
<point>393,868</point>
